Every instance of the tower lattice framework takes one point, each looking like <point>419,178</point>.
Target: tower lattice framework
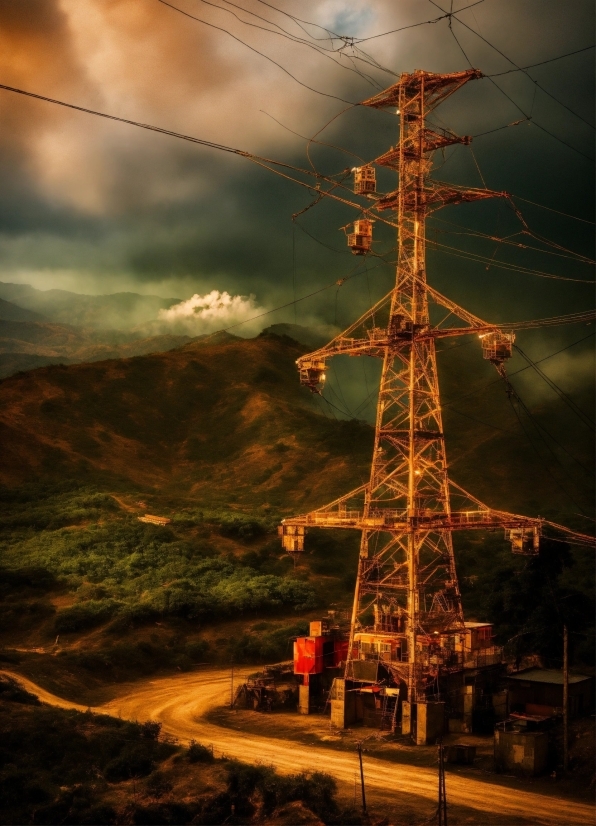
<point>407,588</point>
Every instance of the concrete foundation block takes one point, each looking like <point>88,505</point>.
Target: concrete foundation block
<point>430,723</point>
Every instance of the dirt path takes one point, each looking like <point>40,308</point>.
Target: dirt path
<point>180,703</point>
<point>123,504</point>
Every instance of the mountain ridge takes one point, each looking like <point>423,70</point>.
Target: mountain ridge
<point>116,310</point>
<point>208,420</point>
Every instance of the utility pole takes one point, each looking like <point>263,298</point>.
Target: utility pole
<point>565,698</point>
<point>359,747</point>
<point>442,809</point>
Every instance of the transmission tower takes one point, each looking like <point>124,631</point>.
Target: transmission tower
<point>407,607</point>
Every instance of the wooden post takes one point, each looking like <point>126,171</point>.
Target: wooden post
<point>364,812</point>
<point>565,698</point>
<point>232,686</point>
<point>442,809</point>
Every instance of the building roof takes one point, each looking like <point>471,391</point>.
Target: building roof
<point>546,675</point>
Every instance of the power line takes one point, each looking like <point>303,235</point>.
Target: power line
<point>517,106</point>
<point>330,35</point>
<point>402,29</point>
<point>513,394</point>
<point>287,35</point>
<point>550,209</point>
<point>499,128</point>
<point>414,25</point>
<point>312,140</point>
<point>562,395</point>
<point>257,159</point>
<point>515,372</point>
<point>256,51</point>
<point>472,256</point>
<point>540,457</point>
<point>542,62</point>
<point>576,257</point>
<point>518,68</point>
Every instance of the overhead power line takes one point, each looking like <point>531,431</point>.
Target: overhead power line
<point>542,62</point>
<point>256,51</point>
<point>452,16</point>
<point>560,393</point>
<point>228,149</point>
<point>550,209</point>
<point>449,402</point>
<point>517,68</point>
<point>414,25</point>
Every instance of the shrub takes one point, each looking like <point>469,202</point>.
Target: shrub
<point>158,785</point>
<point>197,753</point>
<point>12,690</point>
<point>84,615</point>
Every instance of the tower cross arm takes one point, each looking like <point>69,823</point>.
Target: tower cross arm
<point>436,195</point>
<point>437,88</point>
<point>363,337</point>
<point>359,510</point>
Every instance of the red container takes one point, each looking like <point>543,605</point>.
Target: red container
<point>308,655</point>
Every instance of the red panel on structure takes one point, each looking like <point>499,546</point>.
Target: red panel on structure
<point>308,655</point>
<point>340,651</point>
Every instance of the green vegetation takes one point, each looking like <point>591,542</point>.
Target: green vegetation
<point>121,569</point>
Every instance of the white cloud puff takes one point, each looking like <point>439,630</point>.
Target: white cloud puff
<point>213,311</point>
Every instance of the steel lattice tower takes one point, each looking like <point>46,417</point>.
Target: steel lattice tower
<point>407,590</point>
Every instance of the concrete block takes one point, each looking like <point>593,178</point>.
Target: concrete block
<point>430,723</point>
<point>304,699</point>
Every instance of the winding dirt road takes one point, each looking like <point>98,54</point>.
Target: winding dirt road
<point>180,703</point>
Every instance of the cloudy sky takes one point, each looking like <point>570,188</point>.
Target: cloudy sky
<point>97,206</point>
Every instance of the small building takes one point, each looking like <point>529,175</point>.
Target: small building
<point>520,751</point>
<point>476,645</point>
<point>154,520</point>
<point>540,691</point>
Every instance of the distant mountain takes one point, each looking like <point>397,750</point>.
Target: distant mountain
<point>82,328</point>
<point>220,422</point>
<point>12,312</point>
<point>25,345</point>
<point>120,311</point>
<point>225,419</point>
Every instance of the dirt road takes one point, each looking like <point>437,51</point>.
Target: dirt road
<point>180,703</point>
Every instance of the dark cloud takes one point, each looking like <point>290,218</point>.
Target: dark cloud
<point>105,206</point>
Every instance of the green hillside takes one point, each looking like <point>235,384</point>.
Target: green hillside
<point>219,437</point>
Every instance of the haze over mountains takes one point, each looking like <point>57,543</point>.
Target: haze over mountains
<point>41,327</point>
<point>119,311</point>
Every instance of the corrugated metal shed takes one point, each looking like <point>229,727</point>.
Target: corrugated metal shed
<point>545,675</point>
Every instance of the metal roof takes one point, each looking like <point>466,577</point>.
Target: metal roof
<point>546,675</point>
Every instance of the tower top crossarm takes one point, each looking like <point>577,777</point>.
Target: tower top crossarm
<point>437,88</point>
